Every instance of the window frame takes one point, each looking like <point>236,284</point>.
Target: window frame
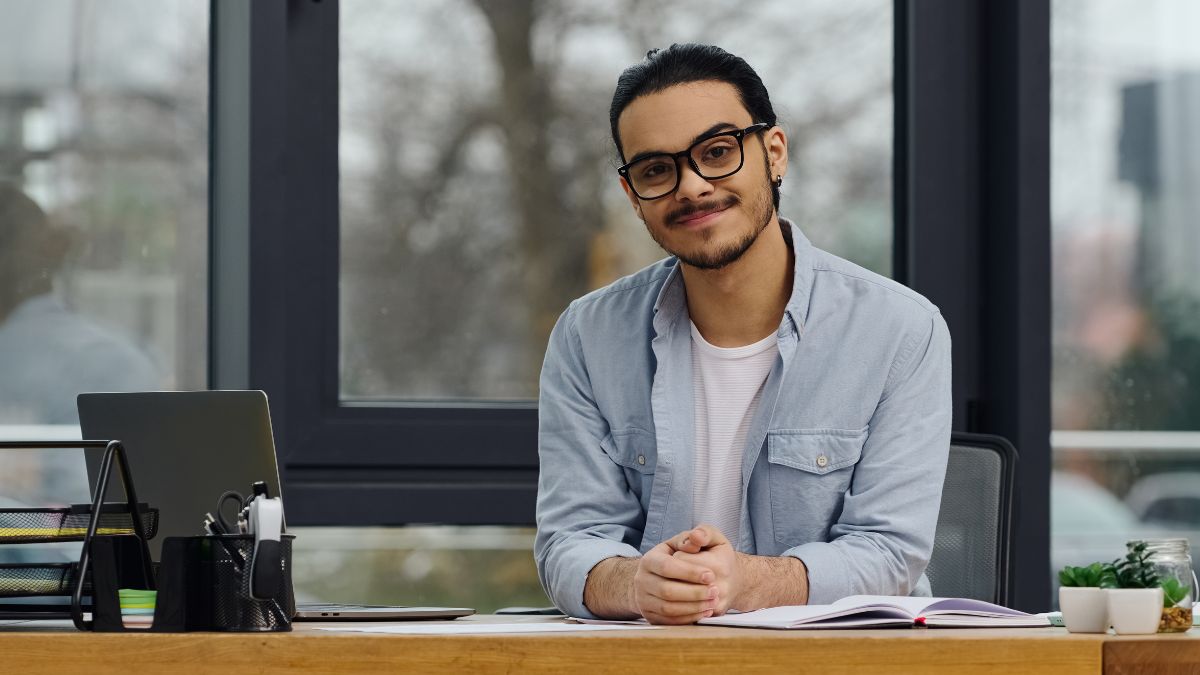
<point>343,464</point>
<point>972,204</point>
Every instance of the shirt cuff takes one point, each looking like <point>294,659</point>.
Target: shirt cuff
<point>576,564</point>
<point>826,566</point>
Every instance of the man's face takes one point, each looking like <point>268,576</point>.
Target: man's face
<point>705,223</point>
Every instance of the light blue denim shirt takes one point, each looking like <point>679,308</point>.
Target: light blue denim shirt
<point>844,461</point>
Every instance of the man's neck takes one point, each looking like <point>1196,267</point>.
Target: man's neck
<point>743,302</point>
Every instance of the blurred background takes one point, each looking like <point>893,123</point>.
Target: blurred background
<point>476,164</point>
<point>1126,298</point>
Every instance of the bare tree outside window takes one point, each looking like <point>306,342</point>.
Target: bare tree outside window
<point>479,193</point>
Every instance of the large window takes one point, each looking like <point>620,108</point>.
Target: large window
<point>1126,228</point>
<point>103,217</point>
<point>408,194</point>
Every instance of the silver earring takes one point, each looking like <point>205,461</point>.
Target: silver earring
<point>778,181</point>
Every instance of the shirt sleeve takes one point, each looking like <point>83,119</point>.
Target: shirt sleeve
<point>585,509</point>
<point>881,542</point>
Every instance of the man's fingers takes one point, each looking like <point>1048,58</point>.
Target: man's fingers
<point>697,539</point>
<point>677,591</point>
<point>708,535</point>
<point>660,619</point>
<point>686,541</point>
<point>680,542</point>
<point>703,559</point>
<point>665,566</point>
<point>662,607</point>
<point>656,610</point>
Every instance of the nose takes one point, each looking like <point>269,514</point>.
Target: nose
<point>692,186</point>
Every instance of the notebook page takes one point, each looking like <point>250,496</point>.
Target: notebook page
<point>974,621</point>
<point>796,615</point>
<point>913,606</point>
<point>930,607</point>
<point>978,607</point>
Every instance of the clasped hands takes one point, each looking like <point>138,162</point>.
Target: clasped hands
<point>691,576</point>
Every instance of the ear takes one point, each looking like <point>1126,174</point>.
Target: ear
<point>633,198</point>
<point>776,144</point>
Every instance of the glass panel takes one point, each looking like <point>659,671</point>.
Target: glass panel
<point>453,273</point>
<point>103,218</point>
<point>1126,238</point>
<point>481,567</point>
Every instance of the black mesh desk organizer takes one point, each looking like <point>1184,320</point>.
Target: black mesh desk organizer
<point>115,551</point>
<point>202,582</point>
<point>204,585</point>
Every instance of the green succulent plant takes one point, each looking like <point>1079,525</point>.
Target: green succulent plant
<point>1135,570</point>
<point>1174,592</point>
<point>1095,575</point>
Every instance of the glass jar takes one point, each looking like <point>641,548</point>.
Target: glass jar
<point>1173,561</point>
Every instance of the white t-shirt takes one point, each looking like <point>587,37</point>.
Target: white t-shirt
<point>727,384</point>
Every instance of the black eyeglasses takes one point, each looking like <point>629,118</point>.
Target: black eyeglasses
<point>717,155</point>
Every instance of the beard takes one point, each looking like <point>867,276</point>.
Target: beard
<point>760,214</point>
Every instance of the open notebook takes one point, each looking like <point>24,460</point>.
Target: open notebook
<point>873,611</point>
<point>876,611</point>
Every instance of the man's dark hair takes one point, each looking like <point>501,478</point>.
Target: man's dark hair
<point>18,214</point>
<point>684,63</point>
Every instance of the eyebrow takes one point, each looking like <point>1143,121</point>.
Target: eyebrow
<point>719,126</point>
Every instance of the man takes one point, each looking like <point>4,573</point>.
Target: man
<point>751,422</point>
<point>49,353</point>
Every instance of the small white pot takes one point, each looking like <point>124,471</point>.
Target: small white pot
<point>1084,610</point>
<point>1135,611</point>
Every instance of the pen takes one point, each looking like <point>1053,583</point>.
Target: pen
<point>212,525</point>
<point>215,529</point>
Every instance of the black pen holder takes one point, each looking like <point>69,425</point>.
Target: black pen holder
<point>204,585</point>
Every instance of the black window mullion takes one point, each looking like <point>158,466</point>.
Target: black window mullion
<point>974,229</point>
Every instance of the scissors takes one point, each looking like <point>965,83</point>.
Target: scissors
<point>259,488</point>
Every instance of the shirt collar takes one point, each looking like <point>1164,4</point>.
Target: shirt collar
<point>796,309</point>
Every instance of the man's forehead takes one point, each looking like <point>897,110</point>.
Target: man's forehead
<point>670,119</point>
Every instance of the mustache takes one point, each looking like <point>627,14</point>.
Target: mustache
<point>682,212</point>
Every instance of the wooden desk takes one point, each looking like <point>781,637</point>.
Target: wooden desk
<point>691,649</point>
<point>1174,654</point>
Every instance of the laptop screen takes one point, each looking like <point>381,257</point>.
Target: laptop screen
<point>184,450</point>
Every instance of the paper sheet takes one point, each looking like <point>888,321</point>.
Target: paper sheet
<point>482,628</point>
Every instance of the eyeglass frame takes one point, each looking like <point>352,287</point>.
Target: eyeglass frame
<point>739,134</point>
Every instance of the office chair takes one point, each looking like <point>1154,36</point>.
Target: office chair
<point>973,546</point>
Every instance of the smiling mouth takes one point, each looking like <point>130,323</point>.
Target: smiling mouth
<point>700,217</point>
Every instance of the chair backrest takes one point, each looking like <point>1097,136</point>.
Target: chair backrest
<point>972,547</point>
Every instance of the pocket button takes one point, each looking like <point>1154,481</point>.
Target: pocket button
<point>822,461</point>
<point>642,460</point>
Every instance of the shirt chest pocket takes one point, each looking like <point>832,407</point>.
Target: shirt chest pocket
<point>636,452</point>
<point>810,472</point>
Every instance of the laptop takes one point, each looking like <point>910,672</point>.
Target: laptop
<point>185,449</point>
